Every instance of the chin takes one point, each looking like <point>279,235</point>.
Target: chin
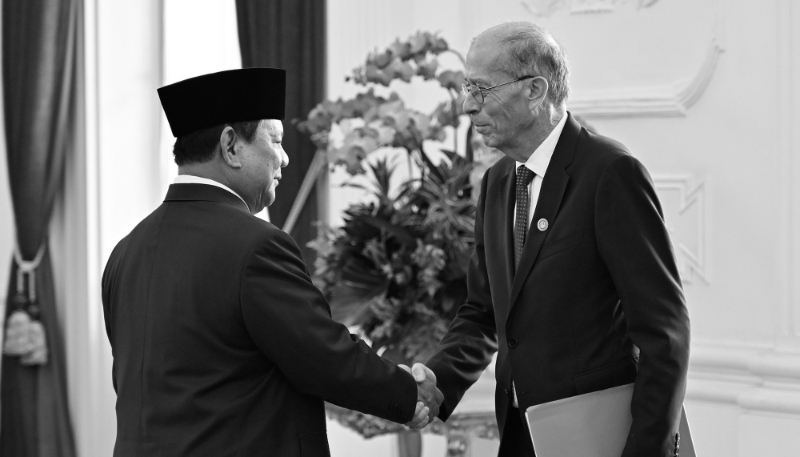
<point>490,141</point>
<point>269,200</point>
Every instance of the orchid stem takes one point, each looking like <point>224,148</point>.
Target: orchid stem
<point>458,54</point>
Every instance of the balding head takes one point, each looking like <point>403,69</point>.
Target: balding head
<point>529,50</point>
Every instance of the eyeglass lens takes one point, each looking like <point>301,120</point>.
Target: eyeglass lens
<point>474,91</point>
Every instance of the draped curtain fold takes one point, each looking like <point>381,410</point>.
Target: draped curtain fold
<point>289,34</point>
<point>39,49</point>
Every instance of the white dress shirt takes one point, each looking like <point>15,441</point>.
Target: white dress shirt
<point>537,163</point>
<point>190,179</point>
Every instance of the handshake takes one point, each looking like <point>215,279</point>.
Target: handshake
<point>429,398</point>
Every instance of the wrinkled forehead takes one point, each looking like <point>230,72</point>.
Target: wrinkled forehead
<point>484,62</point>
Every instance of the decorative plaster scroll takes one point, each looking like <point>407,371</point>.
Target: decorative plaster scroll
<point>666,100</point>
<point>544,8</point>
<point>592,6</point>
<point>670,100</point>
<point>684,214</point>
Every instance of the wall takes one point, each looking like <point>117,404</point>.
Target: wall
<point>706,94</point>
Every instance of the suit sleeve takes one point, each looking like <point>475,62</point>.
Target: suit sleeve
<point>471,340</point>
<point>108,284</point>
<point>635,246</point>
<point>290,322</point>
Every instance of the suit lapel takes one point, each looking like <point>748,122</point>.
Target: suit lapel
<point>550,197</point>
<point>553,187</point>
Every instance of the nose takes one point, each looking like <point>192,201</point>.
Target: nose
<point>284,158</point>
<point>471,106</point>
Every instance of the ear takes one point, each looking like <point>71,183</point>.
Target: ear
<point>538,92</point>
<point>227,143</point>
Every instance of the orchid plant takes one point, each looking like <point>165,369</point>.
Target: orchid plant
<point>369,121</point>
<point>396,269</point>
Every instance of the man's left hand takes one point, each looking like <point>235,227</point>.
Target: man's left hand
<point>429,395</point>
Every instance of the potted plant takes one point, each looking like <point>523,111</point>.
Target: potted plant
<point>396,270</point>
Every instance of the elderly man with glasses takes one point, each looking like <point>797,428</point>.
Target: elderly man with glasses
<point>573,278</point>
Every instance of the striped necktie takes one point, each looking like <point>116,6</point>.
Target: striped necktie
<point>524,177</point>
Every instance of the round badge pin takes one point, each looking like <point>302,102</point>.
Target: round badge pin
<point>542,224</point>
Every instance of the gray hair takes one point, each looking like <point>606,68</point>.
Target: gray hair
<point>533,51</point>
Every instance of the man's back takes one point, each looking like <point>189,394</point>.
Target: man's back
<point>189,376</point>
<point>222,346</point>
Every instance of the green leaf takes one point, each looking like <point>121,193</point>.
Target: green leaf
<point>351,305</point>
<point>403,235</point>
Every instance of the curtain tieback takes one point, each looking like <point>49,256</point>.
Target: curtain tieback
<point>25,335</point>
<point>25,267</point>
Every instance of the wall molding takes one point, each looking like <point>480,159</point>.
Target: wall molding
<point>654,101</point>
<point>755,378</point>
<point>668,100</point>
<point>788,142</point>
<point>691,194</point>
<point>545,8</point>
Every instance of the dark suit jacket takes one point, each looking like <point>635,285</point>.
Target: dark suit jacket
<point>598,280</point>
<point>222,346</point>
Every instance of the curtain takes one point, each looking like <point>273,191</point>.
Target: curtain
<point>39,85</point>
<point>289,34</point>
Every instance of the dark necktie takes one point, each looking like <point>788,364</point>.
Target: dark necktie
<point>524,177</point>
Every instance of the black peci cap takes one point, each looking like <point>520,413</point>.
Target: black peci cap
<point>248,94</point>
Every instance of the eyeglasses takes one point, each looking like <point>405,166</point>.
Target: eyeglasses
<point>478,92</point>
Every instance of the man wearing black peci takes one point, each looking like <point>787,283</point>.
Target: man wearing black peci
<point>222,346</point>
<point>573,267</point>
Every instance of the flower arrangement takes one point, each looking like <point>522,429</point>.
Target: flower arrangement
<point>396,269</point>
<point>369,121</point>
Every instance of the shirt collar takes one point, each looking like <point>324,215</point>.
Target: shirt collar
<point>191,179</point>
<point>540,159</point>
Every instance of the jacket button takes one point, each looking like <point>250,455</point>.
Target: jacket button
<point>513,343</point>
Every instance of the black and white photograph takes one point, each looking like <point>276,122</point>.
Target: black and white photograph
<point>381,228</point>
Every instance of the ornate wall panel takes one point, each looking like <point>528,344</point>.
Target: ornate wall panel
<point>544,8</point>
<point>683,200</point>
<point>789,172</point>
<point>625,79</point>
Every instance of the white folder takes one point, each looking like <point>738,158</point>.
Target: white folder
<point>590,425</point>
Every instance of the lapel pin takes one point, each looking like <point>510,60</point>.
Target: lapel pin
<point>542,224</point>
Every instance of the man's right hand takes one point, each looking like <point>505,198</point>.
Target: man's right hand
<point>428,395</point>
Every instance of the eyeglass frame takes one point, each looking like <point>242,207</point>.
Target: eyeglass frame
<point>481,90</point>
